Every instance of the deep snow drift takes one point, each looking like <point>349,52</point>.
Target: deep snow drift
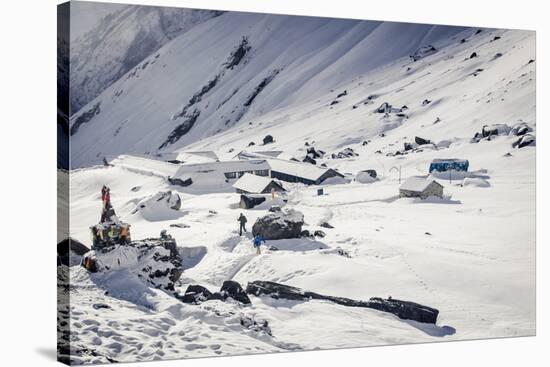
<point>470,254</point>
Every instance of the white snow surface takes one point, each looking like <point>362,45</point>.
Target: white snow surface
<point>472,257</point>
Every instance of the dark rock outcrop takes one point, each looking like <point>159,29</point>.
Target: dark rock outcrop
<point>524,141</point>
<point>319,233</point>
<point>183,128</point>
<point>249,201</point>
<point>233,289</point>
<point>346,153</point>
<point>371,172</point>
<point>422,52</point>
<point>257,326</point>
<point>180,182</point>
<point>279,225</point>
<point>155,260</point>
<point>308,159</point>
<point>268,139</point>
<point>85,117</point>
<point>403,309</point>
<point>70,247</point>
<point>196,294</point>
<point>421,141</point>
<point>315,153</point>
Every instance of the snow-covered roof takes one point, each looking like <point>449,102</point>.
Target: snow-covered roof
<point>222,167</point>
<point>416,184</point>
<point>305,170</point>
<point>252,183</point>
<point>206,154</point>
<point>269,153</point>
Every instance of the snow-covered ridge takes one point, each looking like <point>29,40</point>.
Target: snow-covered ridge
<point>233,69</point>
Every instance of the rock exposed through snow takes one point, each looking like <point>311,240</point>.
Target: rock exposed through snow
<point>279,225</point>
<point>403,309</point>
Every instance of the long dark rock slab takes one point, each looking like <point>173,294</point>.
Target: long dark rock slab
<point>403,309</point>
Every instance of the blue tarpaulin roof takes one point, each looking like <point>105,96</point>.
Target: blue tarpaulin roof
<point>442,165</point>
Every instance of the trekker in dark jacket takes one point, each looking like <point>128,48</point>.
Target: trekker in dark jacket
<point>242,221</point>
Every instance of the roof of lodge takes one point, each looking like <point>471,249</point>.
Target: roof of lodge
<point>298,169</point>
<point>252,183</point>
<point>417,184</point>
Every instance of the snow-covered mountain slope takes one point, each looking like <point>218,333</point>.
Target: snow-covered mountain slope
<point>233,69</point>
<point>120,39</point>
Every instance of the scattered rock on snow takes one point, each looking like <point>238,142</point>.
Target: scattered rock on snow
<point>261,326</point>
<point>521,128</point>
<point>308,159</point>
<point>98,306</point>
<point>179,225</point>
<point>326,225</point>
<point>344,93</point>
<point>421,141</point>
<point>268,139</point>
<point>346,153</point>
<point>305,233</point>
<point>423,52</point>
<point>319,233</point>
<point>315,153</point>
<point>524,141</point>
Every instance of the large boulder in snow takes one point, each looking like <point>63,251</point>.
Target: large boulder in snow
<point>279,225</point>
<point>163,205</point>
<point>232,289</point>
<point>195,294</point>
<point>520,129</point>
<point>268,139</point>
<point>154,260</point>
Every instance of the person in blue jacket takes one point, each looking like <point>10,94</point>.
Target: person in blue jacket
<point>257,242</point>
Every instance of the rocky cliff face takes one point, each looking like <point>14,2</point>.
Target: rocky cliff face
<point>120,41</point>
